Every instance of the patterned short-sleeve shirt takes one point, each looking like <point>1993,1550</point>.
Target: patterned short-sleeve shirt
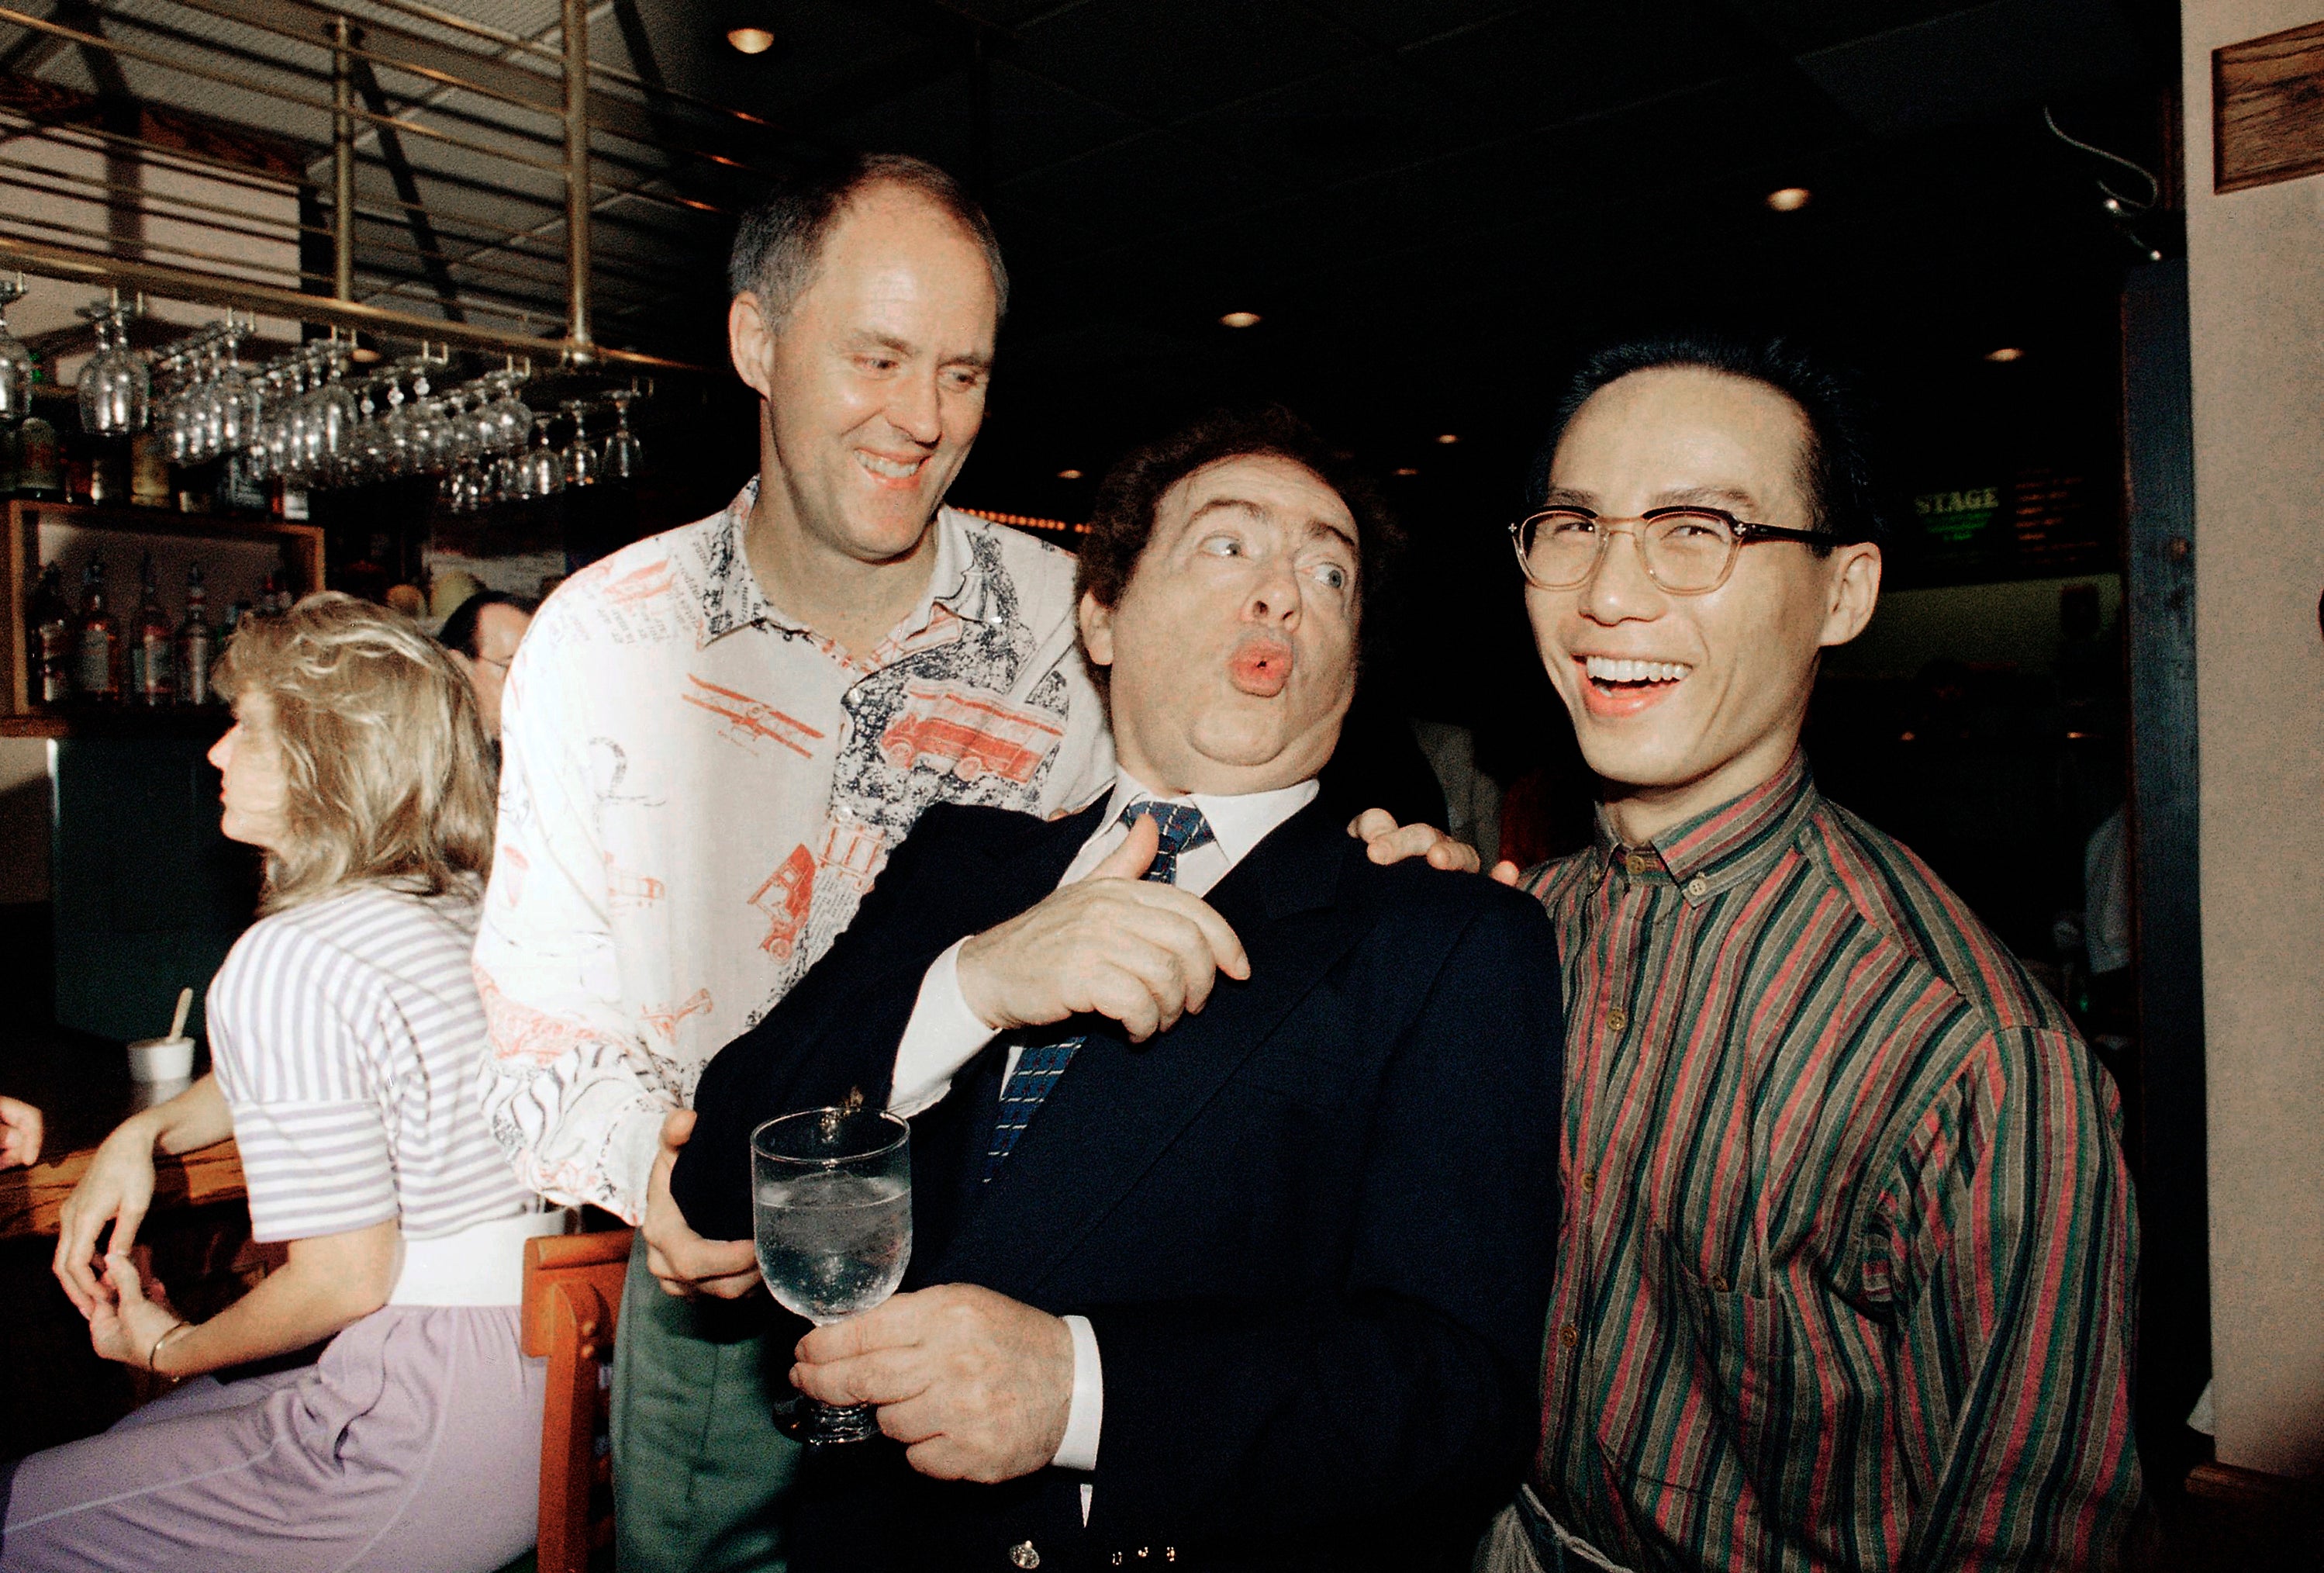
<point>697,790</point>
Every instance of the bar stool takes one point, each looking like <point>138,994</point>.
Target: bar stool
<point>572,1299</point>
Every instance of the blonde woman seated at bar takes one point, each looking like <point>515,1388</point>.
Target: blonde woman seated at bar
<point>347,1037</point>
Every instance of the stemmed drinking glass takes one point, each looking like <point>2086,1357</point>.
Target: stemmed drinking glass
<point>115,386</point>
<point>540,472</point>
<point>580,459</point>
<point>625,456</point>
<point>15,361</point>
<point>831,1214</point>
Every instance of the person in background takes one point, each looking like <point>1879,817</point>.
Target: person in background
<point>20,1133</point>
<point>1234,1153</point>
<point>1845,1278</point>
<point>346,1038</point>
<point>483,633</point>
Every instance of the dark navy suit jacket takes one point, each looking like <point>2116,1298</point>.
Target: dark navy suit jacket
<point>1312,1227</point>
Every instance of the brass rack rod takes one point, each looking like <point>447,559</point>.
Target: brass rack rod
<point>546,99</point>
<point>68,262</point>
<point>228,78</point>
<point>445,19</point>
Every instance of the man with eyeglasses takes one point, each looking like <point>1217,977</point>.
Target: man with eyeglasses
<point>1845,1273</point>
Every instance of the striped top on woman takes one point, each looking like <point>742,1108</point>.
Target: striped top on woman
<point>1844,1277</point>
<point>349,1042</point>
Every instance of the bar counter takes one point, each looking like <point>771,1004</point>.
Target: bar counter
<point>80,1084</point>
<point>52,1387</point>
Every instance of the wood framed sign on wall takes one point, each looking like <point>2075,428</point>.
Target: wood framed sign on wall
<point>2267,109</point>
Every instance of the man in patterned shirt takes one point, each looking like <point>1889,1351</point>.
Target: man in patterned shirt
<point>714,739</point>
<point>1844,1279</point>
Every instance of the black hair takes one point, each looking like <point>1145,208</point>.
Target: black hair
<point>459,630</point>
<point>780,240</point>
<point>1131,496</point>
<point>1839,470</point>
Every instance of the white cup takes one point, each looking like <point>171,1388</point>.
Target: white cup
<point>161,1059</point>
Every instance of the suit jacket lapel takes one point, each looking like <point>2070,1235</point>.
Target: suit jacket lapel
<point>1119,1106</point>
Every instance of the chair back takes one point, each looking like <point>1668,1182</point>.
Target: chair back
<point>572,1299</point>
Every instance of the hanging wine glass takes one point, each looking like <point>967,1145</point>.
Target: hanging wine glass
<point>510,415</point>
<point>334,420</point>
<point>116,386</point>
<point>542,473</point>
<point>370,452</point>
<point>232,395</point>
<point>580,459</point>
<point>625,456</point>
<point>408,421</point>
<point>15,361</point>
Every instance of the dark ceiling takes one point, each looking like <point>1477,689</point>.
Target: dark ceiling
<point>1432,205</point>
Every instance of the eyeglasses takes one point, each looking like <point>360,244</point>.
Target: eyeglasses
<point>1687,551</point>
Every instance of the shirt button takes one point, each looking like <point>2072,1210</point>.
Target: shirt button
<point>1637,863</point>
<point>1719,1283</point>
<point>1617,1019</point>
<point>1698,887</point>
<point>1589,1181</point>
<point>1569,1335</point>
<point>1023,1555</point>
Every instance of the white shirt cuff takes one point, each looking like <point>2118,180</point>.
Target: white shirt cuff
<point>943,1035</point>
<point>1085,1418</point>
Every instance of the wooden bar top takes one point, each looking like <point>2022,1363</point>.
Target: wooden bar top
<point>81,1085</point>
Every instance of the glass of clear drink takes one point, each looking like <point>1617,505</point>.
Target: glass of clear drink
<point>831,1210</point>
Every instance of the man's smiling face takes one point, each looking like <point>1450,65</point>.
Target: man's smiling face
<point>874,384</point>
<point>1689,700</point>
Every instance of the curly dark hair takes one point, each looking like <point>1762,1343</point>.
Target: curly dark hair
<point>1843,469</point>
<point>1132,494</point>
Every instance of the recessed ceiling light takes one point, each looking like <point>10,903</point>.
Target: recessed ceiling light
<point>1069,475</point>
<point>750,40</point>
<point>1241,320</point>
<point>1408,470</point>
<point>363,355</point>
<point>1789,198</point>
<point>1448,438</point>
<point>2007,352</point>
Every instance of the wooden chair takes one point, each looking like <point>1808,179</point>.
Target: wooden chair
<point>572,1299</point>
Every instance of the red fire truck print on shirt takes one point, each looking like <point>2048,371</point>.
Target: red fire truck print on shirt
<point>969,734</point>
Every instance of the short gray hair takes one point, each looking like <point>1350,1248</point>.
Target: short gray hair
<point>781,240</point>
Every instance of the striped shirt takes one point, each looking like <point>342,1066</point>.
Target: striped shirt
<point>1844,1278</point>
<point>349,1042</point>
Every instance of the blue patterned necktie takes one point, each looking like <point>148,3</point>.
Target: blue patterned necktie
<point>1183,829</point>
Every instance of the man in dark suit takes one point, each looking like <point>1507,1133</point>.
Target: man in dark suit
<point>1234,1150</point>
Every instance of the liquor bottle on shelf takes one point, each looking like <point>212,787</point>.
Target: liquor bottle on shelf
<point>40,462</point>
<point>49,617</point>
<point>197,643</point>
<point>152,652</point>
<point>149,470</point>
<point>97,643</point>
<point>108,471</point>
<point>235,612</point>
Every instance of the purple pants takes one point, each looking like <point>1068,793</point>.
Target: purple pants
<point>413,1444</point>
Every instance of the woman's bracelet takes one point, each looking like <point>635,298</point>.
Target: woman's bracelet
<point>153,1353</point>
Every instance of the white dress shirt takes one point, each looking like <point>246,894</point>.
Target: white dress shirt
<point>944,1034</point>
